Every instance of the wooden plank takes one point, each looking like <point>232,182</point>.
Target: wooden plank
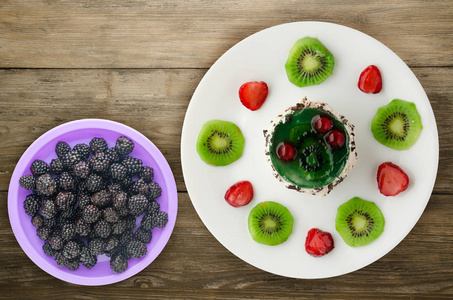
<point>195,265</point>
<point>151,101</point>
<point>193,34</point>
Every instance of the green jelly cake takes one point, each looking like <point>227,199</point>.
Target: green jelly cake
<point>310,147</point>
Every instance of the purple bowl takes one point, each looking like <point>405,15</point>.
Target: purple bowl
<point>82,131</point>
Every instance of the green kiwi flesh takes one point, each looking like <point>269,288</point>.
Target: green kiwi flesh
<point>270,223</point>
<point>220,143</point>
<point>315,161</point>
<point>309,62</point>
<point>359,222</point>
<point>397,125</point>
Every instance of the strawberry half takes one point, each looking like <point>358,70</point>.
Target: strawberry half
<point>318,243</point>
<point>239,194</point>
<point>253,94</point>
<point>391,179</point>
<point>370,80</point>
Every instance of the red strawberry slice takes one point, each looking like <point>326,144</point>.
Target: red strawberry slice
<point>253,94</point>
<point>391,179</point>
<point>239,194</point>
<point>370,80</point>
<point>318,242</point>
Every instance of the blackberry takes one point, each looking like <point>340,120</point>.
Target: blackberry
<point>118,171</point>
<point>48,209</point>
<point>125,183</point>
<point>67,216</point>
<point>135,248</point>
<point>118,263</point>
<point>102,229</point>
<point>81,169</point>
<point>147,221</point>
<point>82,187</point>
<point>91,214</point>
<point>112,244</point>
<point>153,206</point>
<point>94,183</point>
<point>39,167</point>
<point>71,250</point>
<point>137,204</point>
<point>110,215</point>
<point>126,237</point>
<point>87,259</point>
<point>98,145</point>
<point>68,232</point>
<point>124,146</point>
<point>37,221</point>
<point>51,223</point>
<point>114,188</point>
<point>83,150</point>
<point>83,200</point>
<point>119,227</point>
<point>143,235</point>
<point>64,200</point>
<point>112,155</point>
<point>99,162</point>
<point>66,182</point>
<point>130,222</point>
<point>46,185</point>
<point>48,249</point>
<point>70,159</point>
<point>97,246</point>
<point>82,228</point>
<point>154,190</point>
<point>56,242</point>
<point>43,233</point>
<point>122,211</point>
<point>32,204</point>
<point>119,200</point>
<point>62,148</point>
<point>56,166</point>
<point>139,187</point>
<point>101,199</point>
<point>27,182</point>
<point>60,259</point>
<point>146,173</point>
<point>73,264</point>
<point>132,164</point>
<point>160,219</point>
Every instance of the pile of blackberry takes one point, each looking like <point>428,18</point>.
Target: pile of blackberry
<point>84,203</point>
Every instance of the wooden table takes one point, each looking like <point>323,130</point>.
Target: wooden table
<point>138,63</point>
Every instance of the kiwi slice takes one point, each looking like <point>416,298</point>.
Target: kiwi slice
<point>315,160</point>
<point>270,223</point>
<point>220,143</point>
<point>309,62</point>
<point>397,125</point>
<point>359,222</point>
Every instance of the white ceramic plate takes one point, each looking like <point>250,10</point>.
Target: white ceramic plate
<point>262,56</point>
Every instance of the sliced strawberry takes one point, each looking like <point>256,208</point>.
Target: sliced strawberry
<point>370,80</point>
<point>253,94</point>
<point>318,243</point>
<point>391,179</point>
<point>239,194</point>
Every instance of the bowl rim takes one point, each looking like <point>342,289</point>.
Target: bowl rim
<point>168,181</point>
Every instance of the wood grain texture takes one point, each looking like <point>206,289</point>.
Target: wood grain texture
<point>193,34</point>
<point>138,63</point>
